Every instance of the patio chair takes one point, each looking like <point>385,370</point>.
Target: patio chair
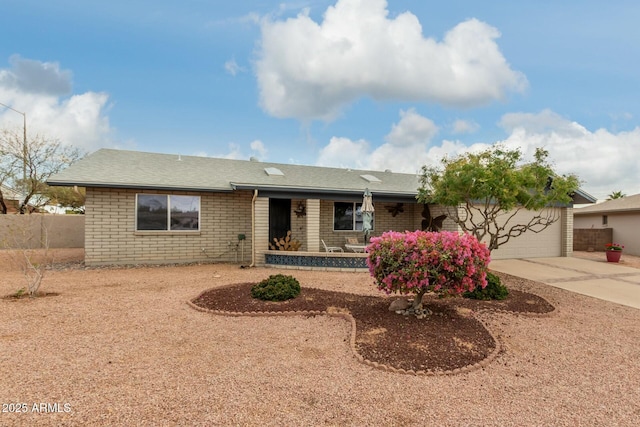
<point>354,245</point>
<point>331,248</point>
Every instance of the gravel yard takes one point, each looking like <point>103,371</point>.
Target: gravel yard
<point>120,346</point>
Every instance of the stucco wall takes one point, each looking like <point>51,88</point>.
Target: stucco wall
<point>625,228</point>
<point>111,237</point>
<point>30,231</point>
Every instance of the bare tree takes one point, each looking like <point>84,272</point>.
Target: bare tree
<point>7,169</point>
<point>27,240</point>
<point>27,167</point>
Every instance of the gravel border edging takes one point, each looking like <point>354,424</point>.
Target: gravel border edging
<point>352,341</point>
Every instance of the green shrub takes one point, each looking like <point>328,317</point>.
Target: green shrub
<point>494,290</point>
<point>276,287</point>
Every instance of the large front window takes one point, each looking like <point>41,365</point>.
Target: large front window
<point>160,212</point>
<point>347,216</point>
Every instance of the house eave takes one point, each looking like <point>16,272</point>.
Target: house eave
<point>325,193</point>
<point>582,197</point>
<point>578,212</point>
<point>138,186</point>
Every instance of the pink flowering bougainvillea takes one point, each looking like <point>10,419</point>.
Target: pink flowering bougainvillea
<point>418,262</point>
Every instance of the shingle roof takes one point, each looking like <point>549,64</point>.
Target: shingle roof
<point>629,203</point>
<point>132,169</point>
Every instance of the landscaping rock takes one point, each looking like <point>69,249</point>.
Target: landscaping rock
<point>400,304</point>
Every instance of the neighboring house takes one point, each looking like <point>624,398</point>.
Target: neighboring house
<point>619,217</point>
<point>11,198</point>
<point>148,207</point>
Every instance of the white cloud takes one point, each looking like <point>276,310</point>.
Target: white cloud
<point>343,152</point>
<point>39,89</point>
<point>258,148</point>
<point>464,126</point>
<point>310,70</point>
<point>605,161</point>
<point>235,151</point>
<point>413,129</point>
<point>407,148</point>
<point>232,67</point>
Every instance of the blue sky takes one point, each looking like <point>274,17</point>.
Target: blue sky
<point>349,83</point>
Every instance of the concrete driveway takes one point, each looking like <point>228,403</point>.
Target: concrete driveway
<point>595,278</point>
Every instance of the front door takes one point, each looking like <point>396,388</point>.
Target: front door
<point>279,218</point>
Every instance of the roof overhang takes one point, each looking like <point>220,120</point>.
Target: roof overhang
<point>326,194</point>
<point>582,197</point>
<point>138,186</point>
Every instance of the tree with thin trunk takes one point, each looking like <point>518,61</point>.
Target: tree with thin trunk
<point>484,193</point>
<point>26,238</point>
<point>26,167</point>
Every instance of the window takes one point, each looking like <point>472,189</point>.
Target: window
<point>605,220</point>
<point>160,212</point>
<point>347,216</point>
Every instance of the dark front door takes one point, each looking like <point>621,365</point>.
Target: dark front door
<point>279,218</point>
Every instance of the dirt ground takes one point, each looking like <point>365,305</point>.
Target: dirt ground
<point>122,346</point>
<point>456,340</point>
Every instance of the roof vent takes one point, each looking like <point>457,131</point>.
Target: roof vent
<point>273,172</point>
<point>370,178</point>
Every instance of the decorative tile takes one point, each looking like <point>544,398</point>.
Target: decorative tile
<point>322,262</point>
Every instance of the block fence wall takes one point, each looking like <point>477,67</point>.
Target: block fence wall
<point>624,226</point>
<point>591,239</point>
<point>31,231</point>
<point>111,237</point>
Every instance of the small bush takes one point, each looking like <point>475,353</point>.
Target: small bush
<point>276,287</point>
<point>494,290</point>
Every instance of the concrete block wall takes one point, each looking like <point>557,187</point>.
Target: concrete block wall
<point>299,223</point>
<point>111,238</point>
<point>261,228</point>
<point>36,231</point>
<point>595,239</point>
<point>312,240</point>
<point>567,232</point>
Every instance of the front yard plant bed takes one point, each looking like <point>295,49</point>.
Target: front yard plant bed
<point>450,340</point>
